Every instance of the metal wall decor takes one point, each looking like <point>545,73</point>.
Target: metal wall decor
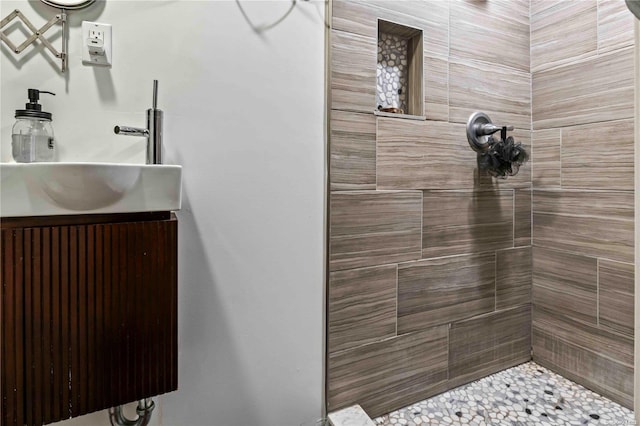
<point>38,33</point>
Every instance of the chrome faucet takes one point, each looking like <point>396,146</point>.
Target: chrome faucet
<point>153,132</point>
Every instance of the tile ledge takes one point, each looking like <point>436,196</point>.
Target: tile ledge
<point>350,416</point>
<point>403,116</point>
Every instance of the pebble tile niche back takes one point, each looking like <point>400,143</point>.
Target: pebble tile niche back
<point>399,70</point>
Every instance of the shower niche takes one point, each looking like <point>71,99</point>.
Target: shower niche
<point>399,73</point>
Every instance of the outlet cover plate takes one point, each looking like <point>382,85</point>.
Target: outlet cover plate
<point>103,31</point>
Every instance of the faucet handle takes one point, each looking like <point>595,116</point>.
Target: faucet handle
<point>155,94</point>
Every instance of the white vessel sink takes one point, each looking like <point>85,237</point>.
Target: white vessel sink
<point>45,189</point>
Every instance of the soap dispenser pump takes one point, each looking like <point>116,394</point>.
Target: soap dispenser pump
<point>32,134</point>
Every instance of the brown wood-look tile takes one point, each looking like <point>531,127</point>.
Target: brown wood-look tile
<point>436,88</point>
<point>353,151</point>
<point>616,296</point>
<point>356,17</point>
<point>353,72</point>
<point>361,17</point>
<point>608,377</point>
<point>415,154</point>
<point>598,224</point>
<point>522,217</point>
<point>502,93</point>
<point>362,306</point>
<point>504,42</point>
<point>562,30</point>
<point>374,228</point>
<point>415,75</point>
<point>608,144</point>
<point>391,374</point>
<point>489,343</point>
<point>589,336</point>
<point>443,290</point>
<point>513,277</point>
<point>423,154</point>
<point>615,25</point>
<point>565,283</point>
<point>459,222</point>
<point>545,157</point>
<point>429,16</point>
<point>588,91</point>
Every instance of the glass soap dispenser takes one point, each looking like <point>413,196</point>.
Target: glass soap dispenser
<point>32,134</point>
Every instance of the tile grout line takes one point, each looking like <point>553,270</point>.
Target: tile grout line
<point>531,137</point>
<point>597,28</point>
<point>598,292</point>
<point>561,129</point>
<point>449,62</point>
<point>397,297</point>
<point>495,281</point>
<point>513,218</point>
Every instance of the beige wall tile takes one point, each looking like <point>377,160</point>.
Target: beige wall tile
<point>391,374</point>
<point>353,72</point>
<point>423,154</point>
<point>615,25</point>
<point>561,31</point>
<point>513,277</point>
<point>489,343</point>
<point>353,16</point>
<point>522,218</point>
<point>502,93</point>
<point>505,41</point>
<point>432,17</point>
<point>439,291</point>
<point>598,156</point>
<point>612,345</point>
<point>353,150</point>
<point>616,296</point>
<point>361,17</point>
<point>362,306</point>
<point>458,222</point>
<point>601,374</point>
<point>593,90</point>
<point>415,154</point>
<point>374,228</point>
<point>436,88</point>
<point>546,158</point>
<point>598,359</point>
<point>565,283</point>
<point>598,224</point>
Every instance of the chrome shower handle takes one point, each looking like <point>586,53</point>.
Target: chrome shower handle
<point>479,127</point>
<point>489,129</point>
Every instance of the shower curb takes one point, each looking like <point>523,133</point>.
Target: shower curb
<point>350,416</point>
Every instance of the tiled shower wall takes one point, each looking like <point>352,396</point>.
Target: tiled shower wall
<point>583,83</point>
<point>430,260</point>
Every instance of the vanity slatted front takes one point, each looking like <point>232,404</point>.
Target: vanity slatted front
<point>89,314</point>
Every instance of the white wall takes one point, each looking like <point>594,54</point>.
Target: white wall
<point>244,114</point>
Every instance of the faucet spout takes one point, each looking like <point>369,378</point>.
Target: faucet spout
<point>153,132</point>
<point>130,131</point>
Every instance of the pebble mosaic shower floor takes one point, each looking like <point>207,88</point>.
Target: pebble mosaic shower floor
<point>524,395</point>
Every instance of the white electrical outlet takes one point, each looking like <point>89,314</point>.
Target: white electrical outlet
<point>96,44</point>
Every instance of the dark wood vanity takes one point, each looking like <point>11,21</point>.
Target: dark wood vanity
<point>88,313</point>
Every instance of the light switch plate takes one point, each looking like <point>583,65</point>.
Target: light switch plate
<point>95,33</point>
